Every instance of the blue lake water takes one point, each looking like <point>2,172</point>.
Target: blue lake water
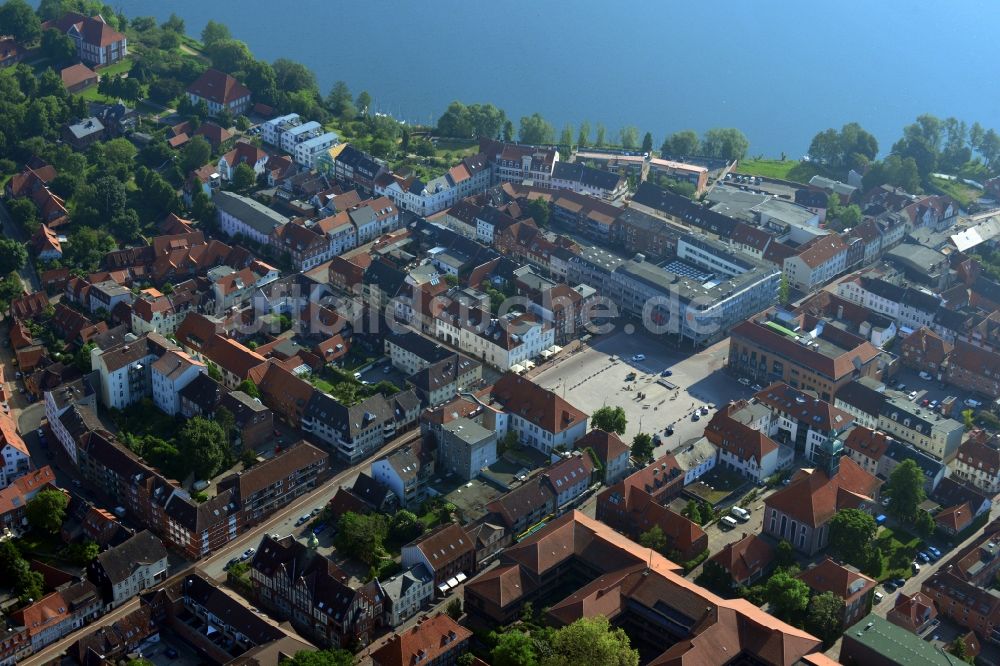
<point>780,71</point>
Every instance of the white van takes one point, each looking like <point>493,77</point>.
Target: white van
<point>740,514</point>
<point>728,522</point>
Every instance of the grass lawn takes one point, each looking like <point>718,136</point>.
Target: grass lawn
<point>321,384</point>
<point>898,548</point>
<point>457,147</point>
<point>960,192</point>
<point>792,170</point>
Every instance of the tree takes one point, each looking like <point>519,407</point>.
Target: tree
<point>229,55</point>
<point>195,154</point>
<point>23,211</point>
<point>629,136</point>
<point>320,658</point>
<point>824,617</point>
<point>851,147</point>
<point>292,76</point>
<point>12,256</point>
<point>591,641</point>
<point>647,142</point>
<point>20,21</point>
<point>454,608</point>
<point>173,24</point>
<point>203,445</point>
<point>968,419</point>
<point>508,131</point>
<point>642,446</point>
<point>726,143</point>
<point>47,510</point>
<point>602,132</point>
<point>654,538</point>
<point>680,144</point>
<point>248,387</point>
<point>924,524</point>
<point>87,248</point>
<point>906,488</point>
<point>115,158</point>
<point>784,555</point>
<point>338,101</point>
<point>609,419</point>
<point>851,534</point>
<point>58,47</point>
<point>536,130</point>
<point>405,527</point>
<point>787,596</point>
<point>583,138</point>
<point>961,650</point>
<point>514,648</point>
<point>214,32</point>
<point>244,177</point>
<point>363,102</point>
<point>566,138</point>
<point>539,210</point>
<point>693,512</point>
<point>362,536</point>
<point>784,289</point>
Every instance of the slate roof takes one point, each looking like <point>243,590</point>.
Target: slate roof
<point>121,561</point>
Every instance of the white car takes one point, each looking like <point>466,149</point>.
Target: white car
<point>925,376</point>
<point>740,514</point>
<point>970,402</point>
<point>639,357</point>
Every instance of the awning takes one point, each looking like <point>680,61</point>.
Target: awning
<point>555,349</point>
<point>546,353</point>
<point>517,368</point>
<point>461,577</point>
<point>529,365</point>
<point>452,582</point>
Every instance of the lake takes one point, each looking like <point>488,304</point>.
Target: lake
<point>779,71</point>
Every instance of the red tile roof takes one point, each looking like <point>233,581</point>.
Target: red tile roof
<point>746,557</point>
<point>444,545</point>
<point>218,87</point>
<point>822,250</point>
<point>870,443</point>
<point>15,496</point>
<point>76,74</point>
<point>739,439</point>
<point>428,640</point>
<point>955,518</point>
<point>538,405</point>
<point>812,497</point>
<point>912,611</point>
<point>607,446</point>
<point>828,576</point>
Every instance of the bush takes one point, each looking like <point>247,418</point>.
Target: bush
<point>698,559</point>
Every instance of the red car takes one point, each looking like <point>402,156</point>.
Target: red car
<point>925,402</point>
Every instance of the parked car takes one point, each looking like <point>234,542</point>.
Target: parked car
<point>756,387</point>
<point>899,582</point>
<point>669,431</point>
<point>925,375</point>
<point>233,562</point>
<point>934,551</point>
<point>922,558</point>
<point>667,373</point>
<point>728,523</point>
<point>915,566</point>
<point>302,520</point>
<point>695,417</point>
<point>639,357</point>
<point>901,387</point>
<point>315,512</point>
<point>889,586</point>
<point>970,402</point>
<point>744,381</point>
<point>704,411</point>
<point>740,514</point>
<point>878,597</point>
<point>249,552</point>
<point>319,528</point>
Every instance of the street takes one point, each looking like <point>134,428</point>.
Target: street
<point>214,564</point>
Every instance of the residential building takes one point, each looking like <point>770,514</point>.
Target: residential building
<point>126,368</point>
<point>219,91</point>
<point>800,420</point>
<point>876,641</point>
<point>971,606</point>
<point>690,173</point>
<point>973,368</point>
<point>801,351</point>
<point>845,583</point>
<point>541,418</point>
<point>270,485</point>
<point>465,447</point>
<point>97,43</point>
<point>57,614</point>
<point>922,427</point>
<point>16,456</point>
<point>570,477</point>
<point>239,215</point>
<point>664,614</point>
<point>356,431</point>
<point>583,179</point>
<point>505,343</point>
<point>632,509</point>
<point>407,593</point>
<point>801,511</point>
<point>241,153</point>
<point>128,569</point>
<point>695,459</point>
<point>439,641</point>
<point>978,462</point>
<point>513,163</point>
<point>445,551</point>
<point>746,561</point>
<point>610,454</point>
<point>817,263</point>
<point>108,294</point>
<point>406,471</point>
<point>15,496</point>
<point>738,431</point>
<point>524,506</point>
<point>913,612</point>
<point>954,519</point>
<point>171,373</point>
<point>867,448</point>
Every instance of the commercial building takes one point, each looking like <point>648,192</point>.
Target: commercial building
<point>878,642</point>
<point>240,215</point>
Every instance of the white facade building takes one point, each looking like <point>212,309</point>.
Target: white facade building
<point>171,373</point>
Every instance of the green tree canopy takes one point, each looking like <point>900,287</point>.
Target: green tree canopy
<point>229,55</point>
<point>514,648</point>
<point>248,387</point>
<point>725,143</point>
<point>12,256</point>
<point>629,136</point>
<point>824,617</point>
<point>362,536</point>
<point>591,641</point>
<point>20,21</point>
<point>58,47</point>
<point>405,527</point>
<point>906,488</point>
<point>320,658</point>
<point>539,210</point>
<point>654,538</point>
<point>203,445</point>
<point>292,76</point>
<point>244,177</point>
<point>339,101</point>
<point>787,596</point>
<point>536,130</point>
<point>850,148</point>
<point>609,419</point>
<point>46,511</point>
<point>642,446</point>
<point>647,142</point>
<point>852,532</point>
<point>214,32</point>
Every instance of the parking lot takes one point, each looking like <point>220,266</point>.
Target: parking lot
<point>931,389</point>
<point>596,376</point>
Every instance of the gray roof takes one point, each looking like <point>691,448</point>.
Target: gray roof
<point>467,430</point>
<point>85,127</point>
<point>397,586</point>
<point>249,211</point>
<point>140,550</point>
